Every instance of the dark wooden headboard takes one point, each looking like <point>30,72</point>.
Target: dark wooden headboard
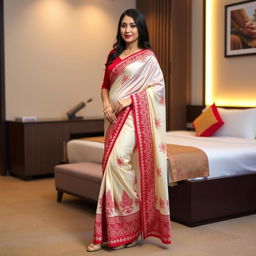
<point>193,111</point>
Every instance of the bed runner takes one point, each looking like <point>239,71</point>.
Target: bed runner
<point>187,162</point>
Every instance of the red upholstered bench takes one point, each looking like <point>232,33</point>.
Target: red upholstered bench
<point>78,179</point>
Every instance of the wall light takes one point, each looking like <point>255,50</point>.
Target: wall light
<point>208,52</point>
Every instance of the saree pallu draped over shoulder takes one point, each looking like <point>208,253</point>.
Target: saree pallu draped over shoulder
<point>133,198</point>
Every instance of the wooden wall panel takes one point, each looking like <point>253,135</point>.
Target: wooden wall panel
<point>181,62</point>
<point>169,24</point>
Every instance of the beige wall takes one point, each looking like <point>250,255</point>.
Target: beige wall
<point>233,79</point>
<point>55,52</point>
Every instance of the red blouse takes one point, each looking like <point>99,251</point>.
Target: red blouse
<point>106,80</point>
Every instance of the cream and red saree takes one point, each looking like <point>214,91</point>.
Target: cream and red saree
<point>133,198</point>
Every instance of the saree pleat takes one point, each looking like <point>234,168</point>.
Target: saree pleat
<point>119,203</point>
<point>133,198</point>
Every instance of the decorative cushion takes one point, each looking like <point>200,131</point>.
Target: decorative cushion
<point>208,122</point>
<point>238,123</point>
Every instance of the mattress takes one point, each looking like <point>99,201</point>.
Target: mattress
<point>227,156</point>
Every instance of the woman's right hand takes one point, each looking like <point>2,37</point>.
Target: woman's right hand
<point>109,114</point>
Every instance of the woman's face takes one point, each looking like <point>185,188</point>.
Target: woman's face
<point>129,30</point>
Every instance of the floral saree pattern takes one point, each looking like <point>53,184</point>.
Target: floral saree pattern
<point>133,198</point>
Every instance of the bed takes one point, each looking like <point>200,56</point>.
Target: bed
<point>229,190</point>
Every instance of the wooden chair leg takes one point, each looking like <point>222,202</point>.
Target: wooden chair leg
<point>59,196</point>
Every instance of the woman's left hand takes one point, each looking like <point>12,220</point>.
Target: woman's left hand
<point>121,104</point>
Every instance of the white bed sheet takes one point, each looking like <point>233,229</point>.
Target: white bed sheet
<point>227,155</point>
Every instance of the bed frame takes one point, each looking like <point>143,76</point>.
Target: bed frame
<point>204,201</point>
<point>200,202</point>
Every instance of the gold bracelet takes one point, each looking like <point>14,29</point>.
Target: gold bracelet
<point>106,107</point>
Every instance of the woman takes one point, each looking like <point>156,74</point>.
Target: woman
<point>133,198</point>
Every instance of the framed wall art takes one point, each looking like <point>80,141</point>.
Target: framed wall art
<point>240,29</point>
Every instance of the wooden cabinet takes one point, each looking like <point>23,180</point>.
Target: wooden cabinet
<point>34,148</point>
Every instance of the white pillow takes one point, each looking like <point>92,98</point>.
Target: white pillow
<point>237,123</point>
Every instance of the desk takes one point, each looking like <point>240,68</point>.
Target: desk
<point>34,148</point>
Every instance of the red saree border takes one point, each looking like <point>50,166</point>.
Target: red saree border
<point>112,134</point>
<point>153,222</point>
<point>138,56</point>
<point>121,229</point>
<point>146,158</point>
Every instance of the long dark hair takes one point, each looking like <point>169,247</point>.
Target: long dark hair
<point>143,41</point>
